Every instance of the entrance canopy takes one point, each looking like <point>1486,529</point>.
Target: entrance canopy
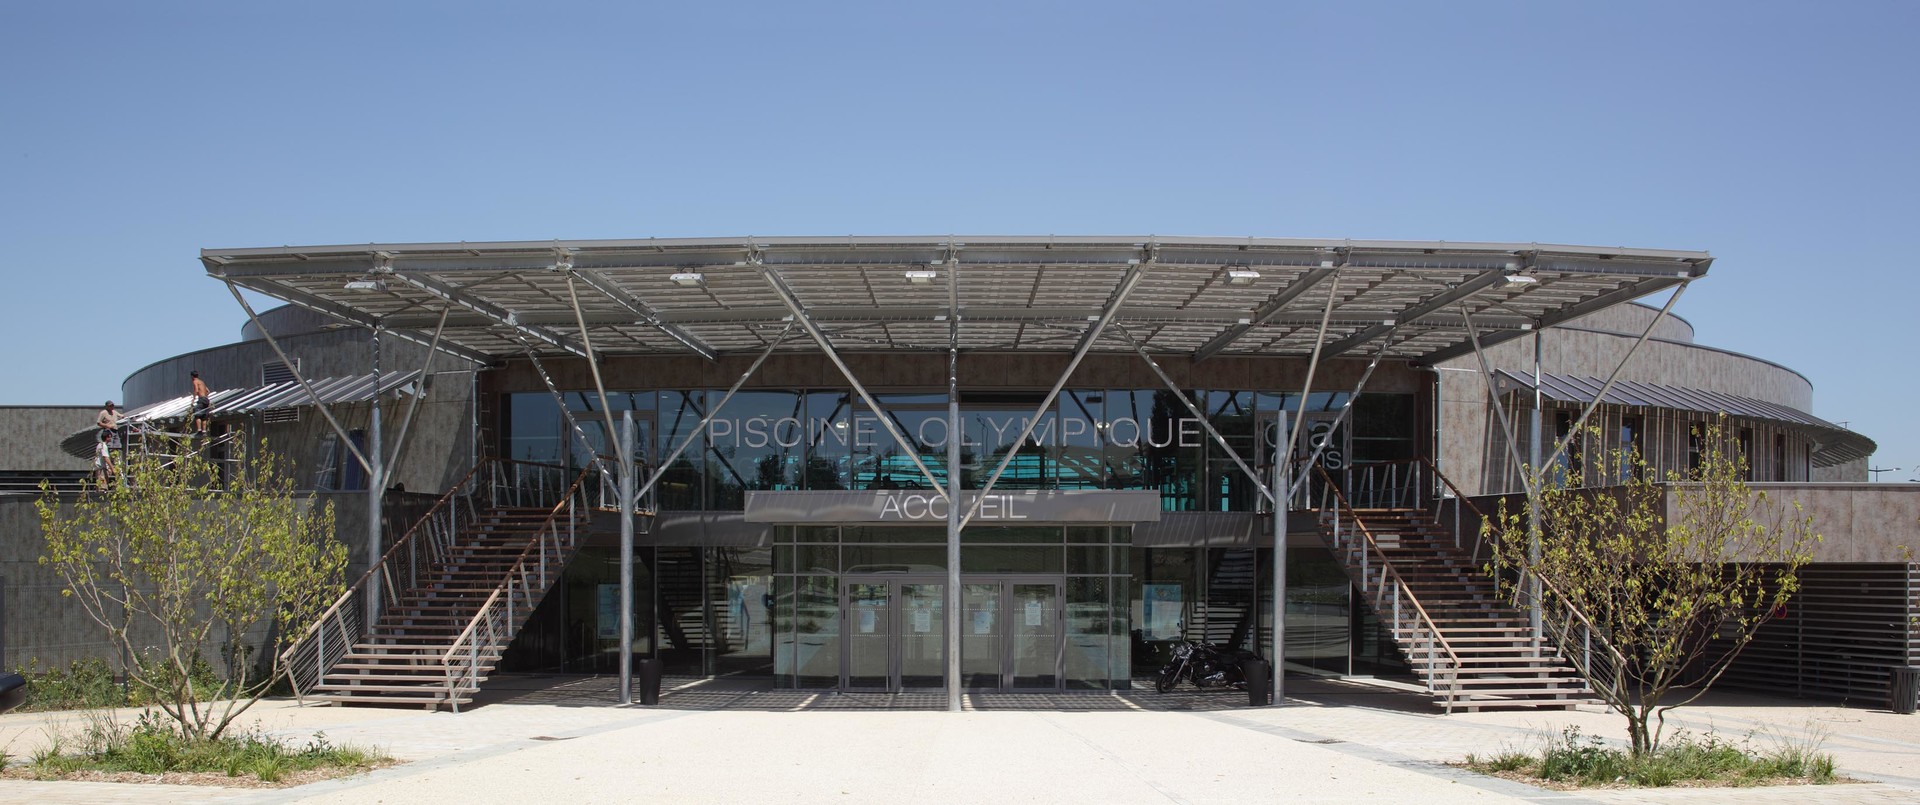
<point>1197,296</point>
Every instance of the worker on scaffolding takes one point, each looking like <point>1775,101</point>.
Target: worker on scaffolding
<point>103,458</point>
<point>202,404</point>
<point>108,421</point>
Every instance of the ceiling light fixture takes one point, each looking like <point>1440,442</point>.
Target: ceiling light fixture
<point>922,277</point>
<point>1241,276</point>
<point>1521,279</point>
<point>367,285</point>
<point>689,279</point>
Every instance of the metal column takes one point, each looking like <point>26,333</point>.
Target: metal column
<point>627,502</point>
<point>953,530</point>
<point>1282,451</point>
<point>1537,474</point>
<point>376,487</point>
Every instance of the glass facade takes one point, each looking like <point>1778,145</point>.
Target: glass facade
<point>861,607</point>
<point>829,440</point>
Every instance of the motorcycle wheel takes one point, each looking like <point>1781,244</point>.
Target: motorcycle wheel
<point>1167,680</point>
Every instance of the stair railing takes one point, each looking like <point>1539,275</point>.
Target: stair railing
<point>1572,634</point>
<point>525,584</point>
<point>344,623</point>
<point>1393,599</point>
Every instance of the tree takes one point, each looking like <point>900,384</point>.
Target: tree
<point>176,562</point>
<point>1667,579</point>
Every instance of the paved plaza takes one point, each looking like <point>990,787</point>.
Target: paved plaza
<point>555,739</point>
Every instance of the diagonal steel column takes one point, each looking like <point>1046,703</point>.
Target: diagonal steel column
<point>700,428</point>
<point>641,310</point>
<point>1341,417</point>
<point>593,364</point>
<point>1120,293</point>
<point>406,423</point>
<point>1272,309</point>
<point>1306,389</point>
<point>1561,446</point>
<point>1493,396</point>
<point>561,400</point>
<point>294,368</point>
<point>806,323</point>
<point>1461,292</point>
<point>1200,416</point>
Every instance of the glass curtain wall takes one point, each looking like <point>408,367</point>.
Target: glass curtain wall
<point>809,561</point>
<point>826,440</point>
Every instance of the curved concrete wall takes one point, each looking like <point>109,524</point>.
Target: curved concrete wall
<point>1634,318</point>
<point>287,320</point>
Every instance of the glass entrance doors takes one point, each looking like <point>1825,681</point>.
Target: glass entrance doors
<point>1010,633</point>
<point>896,636</point>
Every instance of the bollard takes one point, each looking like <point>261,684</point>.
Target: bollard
<point>648,673</point>
<point>1259,677</point>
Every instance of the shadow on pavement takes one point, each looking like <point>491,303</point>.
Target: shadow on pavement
<point>693,693</point>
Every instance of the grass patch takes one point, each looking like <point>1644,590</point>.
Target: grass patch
<point>152,748</point>
<point>1579,760</point>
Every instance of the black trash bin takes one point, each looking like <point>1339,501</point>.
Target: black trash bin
<point>13,691</point>
<point>1905,689</point>
<point>647,673</point>
<point>1259,676</point>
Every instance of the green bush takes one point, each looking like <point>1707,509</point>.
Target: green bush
<point>153,745</point>
<point>1586,760</point>
<point>83,683</point>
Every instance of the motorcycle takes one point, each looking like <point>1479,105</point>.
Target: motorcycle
<point>1206,665</point>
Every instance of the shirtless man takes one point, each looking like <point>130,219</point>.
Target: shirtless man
<point>202,404</point>
<point>108,420</point>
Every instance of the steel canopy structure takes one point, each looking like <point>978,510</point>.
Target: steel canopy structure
<point>1419,302</point>
<point>1200,296</point>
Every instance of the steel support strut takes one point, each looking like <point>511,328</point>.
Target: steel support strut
<point>1199,416</point>
<point>565,413</point>
<point>1561,446</point>
<point>1340,418</point>
<point>806,323</point>
<point>301,379</point>
<point>1493,395</point>
<point>1119,297</point>
<point>701,428</point>
<point>1306,388</point>
<point>593,364</point>
<point>426,368</point>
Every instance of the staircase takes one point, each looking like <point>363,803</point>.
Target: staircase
<point>1472,649</point>
<point>402,660</point>
<point>453,592</point>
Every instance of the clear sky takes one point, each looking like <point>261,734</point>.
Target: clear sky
<point>1779,136</point>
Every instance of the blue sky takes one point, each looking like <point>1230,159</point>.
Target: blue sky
<point>1781,137</point>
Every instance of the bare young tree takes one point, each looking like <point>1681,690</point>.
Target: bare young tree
<point>177,562</point>
<point>1653,585</point>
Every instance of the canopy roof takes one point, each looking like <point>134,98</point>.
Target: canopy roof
<point>270,397</point>
<point>1201,296</point>
<point>1832,444</point>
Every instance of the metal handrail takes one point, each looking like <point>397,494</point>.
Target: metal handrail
<point>1562,640</point>
<point>488,614</point>
<point>346,619</point>
<point>1400,590</point>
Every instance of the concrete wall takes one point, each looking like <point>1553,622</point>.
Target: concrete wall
<point>1857,522</point>
<point>30,436</point>
<point>38,623</point>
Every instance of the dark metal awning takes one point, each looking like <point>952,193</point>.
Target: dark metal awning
<point>1198,296</point>
<point>1833,444</point>
<point>234,402</point>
